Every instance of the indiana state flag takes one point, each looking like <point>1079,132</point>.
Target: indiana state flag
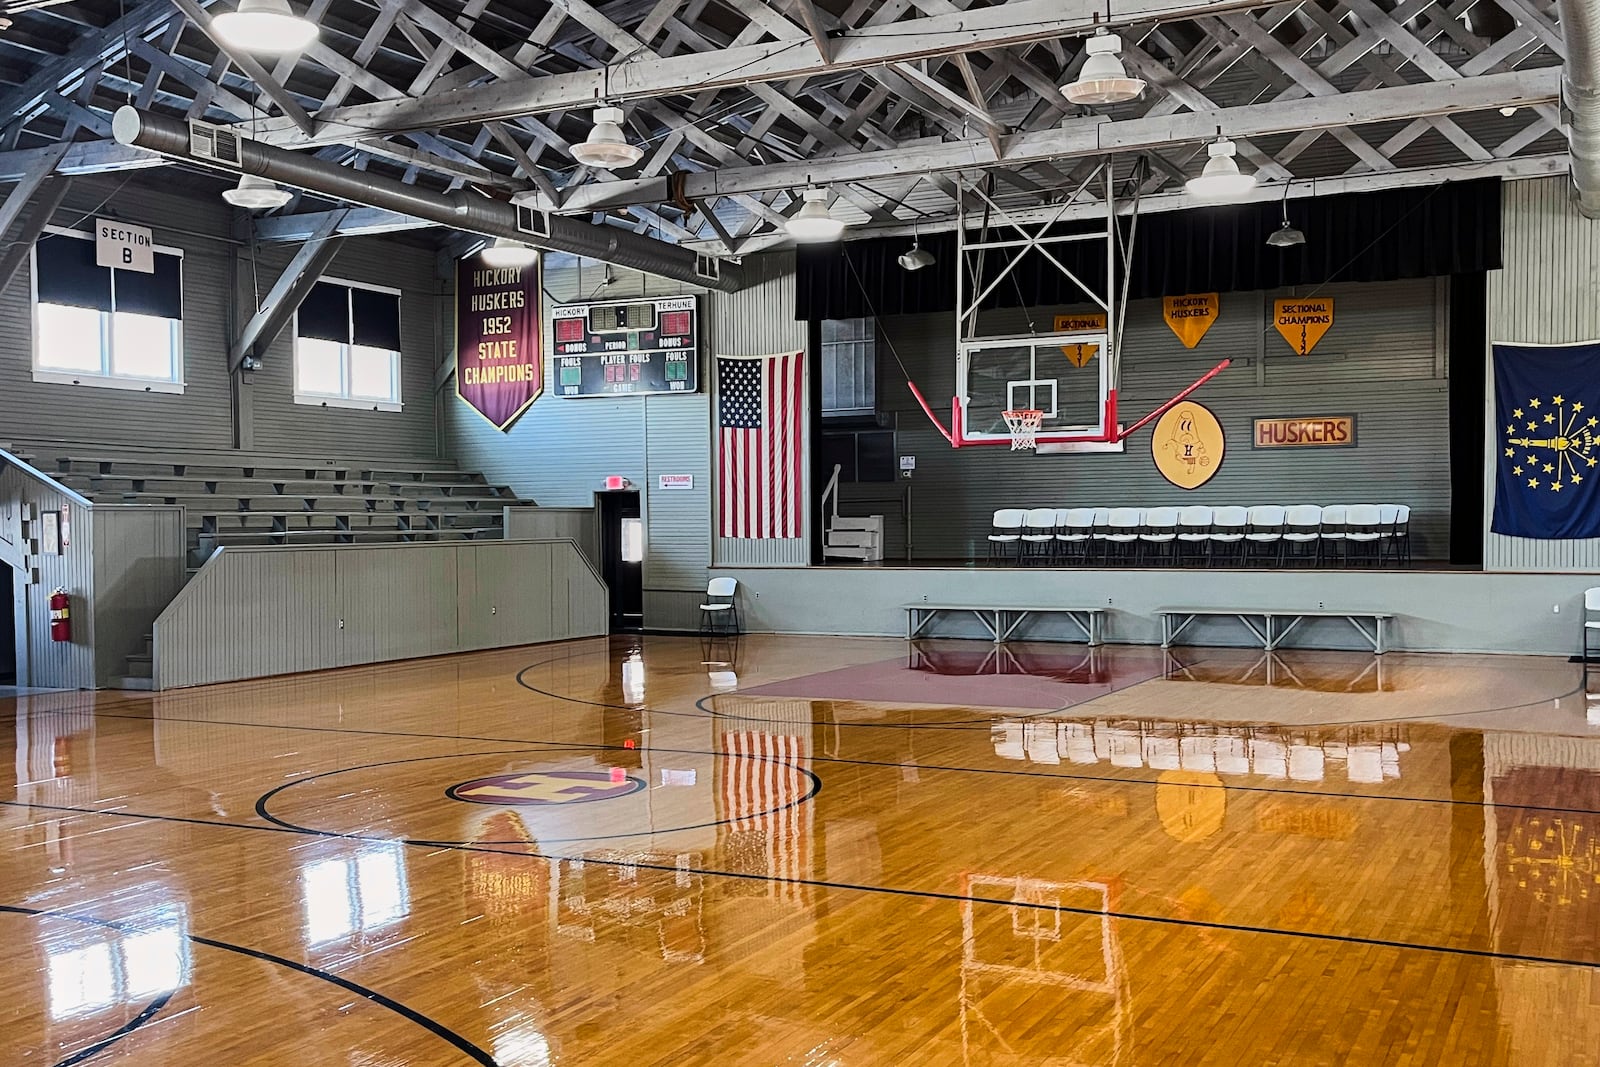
<point>1547,408</point>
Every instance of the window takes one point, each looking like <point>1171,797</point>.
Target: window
<point>347,347</point>
<point>105,326</point>
<point>849,367</point>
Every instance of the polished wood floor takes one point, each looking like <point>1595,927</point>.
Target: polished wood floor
<point>811,851</point>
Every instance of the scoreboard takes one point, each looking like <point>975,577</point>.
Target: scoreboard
<point>627,347</point>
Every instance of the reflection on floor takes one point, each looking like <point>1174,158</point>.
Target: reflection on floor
<point>669,851</point>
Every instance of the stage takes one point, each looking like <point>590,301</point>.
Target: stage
<point>1435,610</point>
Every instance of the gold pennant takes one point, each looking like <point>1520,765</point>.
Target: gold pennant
<point>1079,355</point>
<point>1303,320</point>
<point>1191,316</point>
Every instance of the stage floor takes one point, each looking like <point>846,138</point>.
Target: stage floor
<point>806,850</point>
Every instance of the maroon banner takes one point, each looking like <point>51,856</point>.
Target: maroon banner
<point>499,362</point>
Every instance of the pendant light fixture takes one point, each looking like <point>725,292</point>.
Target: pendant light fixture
<point>1221,179</point>
<point>813,222</point>
<point>265,26</point>
<point>1102,79</point>
<point>1286,236</point>
<point>918,257</point>
<point>257,194</point>
<point>606,148</point>
<point>504,252</point>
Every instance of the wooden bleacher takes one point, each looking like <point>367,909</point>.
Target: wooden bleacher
<point>268,500</point>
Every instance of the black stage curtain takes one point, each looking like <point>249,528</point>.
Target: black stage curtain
<point>1468,395</point>
<point>1354,237</point>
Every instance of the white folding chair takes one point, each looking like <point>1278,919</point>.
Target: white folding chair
<point>1228,527</point>
<point>720,612</point>
<point>1332,545</point>
<point>1097,540</point>
<point>1265,539</point>
<point>1194,532</point>
<point>1302,533</point>
<point>1388,514</point>
<point>1591,619</point>
<point>1159,534</point>
<point>1122,532</point>
<point>1006,535</point>
<point>1363,530</point>
<point>1074,533</point>
<point>1402,536</point>
<point>1039,537</point>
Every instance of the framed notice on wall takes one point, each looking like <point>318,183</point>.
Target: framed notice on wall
<point>499,361</point>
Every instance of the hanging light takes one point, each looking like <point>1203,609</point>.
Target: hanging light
<point>265,26</point>
<point>813,221</point>
<point>918,257</point>
<point>504,252</point>
<point>1102,79</point>
<point>1221,179</point>
<point>257,194</point>
<point>606,148</point>
<point>1286,236</point>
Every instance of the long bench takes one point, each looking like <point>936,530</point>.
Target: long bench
<point>1002,622</point>
<point>1275,625</point>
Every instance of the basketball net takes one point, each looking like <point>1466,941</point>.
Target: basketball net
<point>1024,426</point>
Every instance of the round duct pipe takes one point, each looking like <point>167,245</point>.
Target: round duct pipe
<point>460,210</point>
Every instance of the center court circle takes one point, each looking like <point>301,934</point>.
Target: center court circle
<point>539,788</point>
<point>422,800</point>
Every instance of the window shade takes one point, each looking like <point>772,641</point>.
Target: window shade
<point>67,273</point>
<point>325,313</point>
<point>375,319</point>
<point>159,294</point>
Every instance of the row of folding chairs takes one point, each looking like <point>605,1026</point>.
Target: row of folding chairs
<point>1373,534</point>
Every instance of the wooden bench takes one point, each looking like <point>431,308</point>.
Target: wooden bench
<point>1275,625</point>
<point>1002,622</point>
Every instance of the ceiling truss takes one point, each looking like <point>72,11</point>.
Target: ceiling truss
<point>740,103</point>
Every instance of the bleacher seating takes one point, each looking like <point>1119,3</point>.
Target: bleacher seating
<point>287,500</point>
<point>1266,534</point>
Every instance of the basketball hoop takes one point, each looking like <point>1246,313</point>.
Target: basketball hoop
<point>1024,426</point>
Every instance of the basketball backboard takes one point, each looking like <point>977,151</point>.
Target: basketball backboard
<point>997,374</point>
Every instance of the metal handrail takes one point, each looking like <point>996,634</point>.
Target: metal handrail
<point>40,476</point>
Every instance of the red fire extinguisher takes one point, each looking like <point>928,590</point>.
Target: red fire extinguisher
<point>60,616</point>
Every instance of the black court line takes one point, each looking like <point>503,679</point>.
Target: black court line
<point>119,1033</point>
<point>1069,776</point>
<point>439,1030</point>
<point>925,894</point>
<point>262,802</point>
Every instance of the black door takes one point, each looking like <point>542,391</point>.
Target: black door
<point>8,631</point>
<point>622,538</point>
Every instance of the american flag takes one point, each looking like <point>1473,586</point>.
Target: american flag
<point>758,444</point>
<point>762,782</point>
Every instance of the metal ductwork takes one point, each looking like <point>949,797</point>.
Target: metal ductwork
<point>1580,89</point>
<point>461,210</point>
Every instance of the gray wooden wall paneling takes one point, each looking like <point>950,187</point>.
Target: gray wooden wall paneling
<point>256,612</point>
<point>138,569</point>
<point>426,316</point>
<point>560,452</point>
<point>678,528</point>
<point>1548,292</point>
<point>202,416</point>
<point>756,321</point>
<point>580,525</point>
<point>50,664</point>
<point>1383,361</point>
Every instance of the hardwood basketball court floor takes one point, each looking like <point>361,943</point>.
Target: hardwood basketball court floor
<point>811,851</point>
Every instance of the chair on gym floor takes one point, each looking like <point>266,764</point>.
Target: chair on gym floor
<point>1039,535</point>
<point>1265,539</point>
<point>1302,533</point>
<point>1158,540</point>
<point>720,613</point>
<point>1194,533</point>
<point>1228,526</point>
<point>1006,536</point>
